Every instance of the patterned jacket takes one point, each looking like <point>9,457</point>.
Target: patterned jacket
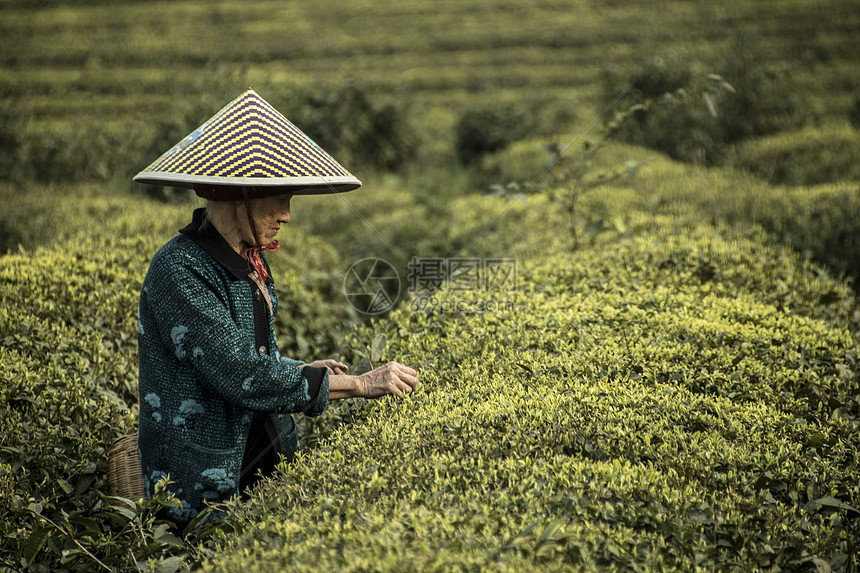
<point>209,367</point>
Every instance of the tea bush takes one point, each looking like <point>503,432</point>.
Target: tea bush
<point>85,153</point>
<point>818,221</point>
<point>358,125</point>
<point>670,395</point>
<point>69,385</point>
<point>661,396</point>
<point>809,156</point>
<point>10,139</point>
<point>68,351</point>
<point>697,117</point>
<point>764,100</point>
<point>397,219</point>
<point>69,388</point>
<point>854,114</point>
<point>821,222</point>
<point>487,128</point>
<point>678,398</point>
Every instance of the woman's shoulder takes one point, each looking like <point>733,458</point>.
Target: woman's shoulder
<point>178,254</point>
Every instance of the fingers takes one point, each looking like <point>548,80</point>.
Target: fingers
<point>397,379</point>
<point>336,367</point>
<point>407,377</point>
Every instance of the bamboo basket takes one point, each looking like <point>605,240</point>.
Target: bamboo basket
<point>125,477</point>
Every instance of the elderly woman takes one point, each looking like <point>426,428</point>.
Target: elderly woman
<point>216,395</point>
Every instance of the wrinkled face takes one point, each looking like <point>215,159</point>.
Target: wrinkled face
<point>269,214</point>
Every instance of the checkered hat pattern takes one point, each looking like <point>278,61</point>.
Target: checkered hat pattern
<point>249,143</point>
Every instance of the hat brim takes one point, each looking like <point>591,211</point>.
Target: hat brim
<point>261,186</point>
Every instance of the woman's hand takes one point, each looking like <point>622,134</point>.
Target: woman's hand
<point>392,378</point>
<point>334,366</point>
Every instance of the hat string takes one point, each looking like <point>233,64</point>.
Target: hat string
<point>253,253</point>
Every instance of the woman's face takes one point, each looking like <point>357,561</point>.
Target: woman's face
<point>269,214</point>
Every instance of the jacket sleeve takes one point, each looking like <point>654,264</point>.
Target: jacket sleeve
<point>194,321</point>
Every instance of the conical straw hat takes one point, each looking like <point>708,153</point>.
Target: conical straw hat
<point>250,145</point>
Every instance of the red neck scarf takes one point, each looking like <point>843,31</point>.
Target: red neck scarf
<point>253,253</point>
<point>253,256</point>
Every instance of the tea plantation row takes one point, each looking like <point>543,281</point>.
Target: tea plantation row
<point>68,381</point>
<point>95,92</point>
<point>674,399</point>
<point>674,394</point>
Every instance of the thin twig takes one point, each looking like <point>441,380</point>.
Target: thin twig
<point>552,163</point>
<point>76,542</point>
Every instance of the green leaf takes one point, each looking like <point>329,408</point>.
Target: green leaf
<point>120,516</point>
<point>549,531</point>
<point>162,534</point>
<point>35,543</point>
<point>65,486</point>
<point>168,538</point>
<point>821,566</point>
<point>377,348</point>
<point>87,524</point>
<point>829,501</point>
<point>525,367</point>
<point>84,484</point>
<point>169,565</point>
<point>124,500</point>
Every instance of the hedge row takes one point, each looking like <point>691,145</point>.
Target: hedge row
<point>819,221</point>
<point>90,93</point>
<point>702,360</point>
<point>809,156</point>
<point>68,381</point>
<point>683,397</point>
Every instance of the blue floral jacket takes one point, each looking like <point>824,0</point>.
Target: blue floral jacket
<point>209,367</point>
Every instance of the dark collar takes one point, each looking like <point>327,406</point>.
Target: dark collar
<point>210,240</point>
